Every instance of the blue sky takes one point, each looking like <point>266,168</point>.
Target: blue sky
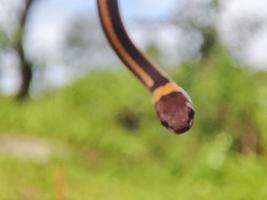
<point>51,17</point>
<point>53,9</point>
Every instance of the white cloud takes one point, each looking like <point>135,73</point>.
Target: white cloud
<point>242,27</point>
<point>257,51</point>
<point>48,25</point>
<point>9,82</point>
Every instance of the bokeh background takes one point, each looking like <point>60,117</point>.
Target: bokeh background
<point>75,124</point>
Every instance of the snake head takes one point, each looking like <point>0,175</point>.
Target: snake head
<point>175,111</point>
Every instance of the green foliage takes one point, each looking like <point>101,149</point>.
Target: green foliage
<point>4,40</point>
<point>226,95</point>
<point>153,51</point>
<point>117,149</point>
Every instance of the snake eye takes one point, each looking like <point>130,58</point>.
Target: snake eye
<point>175,112</point>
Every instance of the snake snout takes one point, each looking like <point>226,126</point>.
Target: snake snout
<point>175,112</point>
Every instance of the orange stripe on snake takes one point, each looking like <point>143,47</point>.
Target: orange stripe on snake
<point>172,104</point>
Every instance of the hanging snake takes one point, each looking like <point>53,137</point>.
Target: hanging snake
<point>172,104</point>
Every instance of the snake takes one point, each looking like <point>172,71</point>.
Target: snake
<point>171,102</point>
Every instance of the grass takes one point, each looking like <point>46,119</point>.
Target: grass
<point>117,149</point>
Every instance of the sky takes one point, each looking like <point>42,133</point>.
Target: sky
<point>243,29</point>
<point>50,19</point>
<point>131,9</point>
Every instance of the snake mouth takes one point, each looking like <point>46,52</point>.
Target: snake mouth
<point>175,111</point>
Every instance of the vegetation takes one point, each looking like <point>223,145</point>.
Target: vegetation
<point>115,148</point>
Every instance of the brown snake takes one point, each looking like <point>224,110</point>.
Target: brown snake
<point>171,102</point>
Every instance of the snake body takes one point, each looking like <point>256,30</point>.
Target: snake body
<point>171,102</point>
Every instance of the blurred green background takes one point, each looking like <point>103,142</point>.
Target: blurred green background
<point>98,137</point>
